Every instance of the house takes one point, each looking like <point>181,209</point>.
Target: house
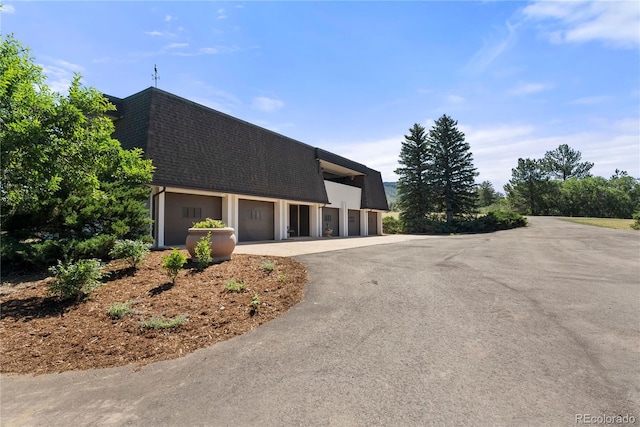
<point>265,185</point>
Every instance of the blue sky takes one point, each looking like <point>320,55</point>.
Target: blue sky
<point>352,77</point>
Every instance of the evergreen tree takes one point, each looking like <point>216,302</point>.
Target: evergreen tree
<point>564,163</point>
<point>487,195</point>
<point>68,189</point>
<point>413,196</point>
<point>529,189</point>
<point>450,173</point>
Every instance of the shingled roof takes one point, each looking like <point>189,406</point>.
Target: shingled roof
<point>193,146</point>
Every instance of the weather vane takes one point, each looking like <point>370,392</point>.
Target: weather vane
<point>155,75</point>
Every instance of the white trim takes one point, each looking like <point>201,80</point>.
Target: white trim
<point>160,225</point>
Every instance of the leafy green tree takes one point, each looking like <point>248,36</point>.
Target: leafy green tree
<point>68,189</point>
<point>450,173</point>
<point>413,194</point>
<point>564,163</point>
<point>530,191</point>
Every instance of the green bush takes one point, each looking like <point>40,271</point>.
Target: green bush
<point>234,286</point>
<point>636,223</point>
<point>209,223</point>
<point>203,251</point>
<point>172,264</point>
<point>133,251</point>
<point>255,301</point>
<point>506,220</point>
<point>391,225</point>
<point>76,280</point>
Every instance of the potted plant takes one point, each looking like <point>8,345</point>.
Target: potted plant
<point>328,231</point>
<point>222,238</point>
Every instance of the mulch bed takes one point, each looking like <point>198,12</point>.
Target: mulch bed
<point>41,334</point>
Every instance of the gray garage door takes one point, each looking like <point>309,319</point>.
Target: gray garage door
<point>255,220</point>
<point>182,210</point>
<point>354,222</point>
<point>331,219</point>
<point>373,223</point>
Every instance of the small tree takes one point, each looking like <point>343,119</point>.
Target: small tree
<point>530,191</point>
<point>413,194</point>
<point>76,280</point>
<point>450,173</point>
<point>487,195</point>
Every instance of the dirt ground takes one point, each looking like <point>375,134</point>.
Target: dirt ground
<point>40,334</point>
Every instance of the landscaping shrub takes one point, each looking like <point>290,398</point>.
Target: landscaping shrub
<point>268,266</point>
<point>76,280</point>
<point>232,285</point>
<point>203,251</point>
<point>636,223</point>
<point>209,223</point>
<point>133,251</point>
<point>391,225</point>
<point>118,310</point>
<point>164,322</point>
<point>172,264</point>
<point>506,220</point>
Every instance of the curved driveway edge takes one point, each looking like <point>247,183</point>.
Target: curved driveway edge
<point>533,326</point>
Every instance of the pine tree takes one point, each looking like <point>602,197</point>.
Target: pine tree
<point>564,163</point>
<point>413,197</point>
<point>450,173</point>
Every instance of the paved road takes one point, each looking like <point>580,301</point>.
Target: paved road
<point>525,327</point>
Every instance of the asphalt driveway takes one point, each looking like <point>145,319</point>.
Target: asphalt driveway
<point>532,326</point>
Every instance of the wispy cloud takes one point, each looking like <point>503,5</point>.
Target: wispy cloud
<point>156,33</point>
<point>492,49</point>
<point>59,73</point>
<point>267,104</point>
<point>176,45</point>
<point>589,100</point>
<point>169,18</point>
<point>454,99</point>
<point>529,88</point>
<point>7,8</point>
<point>214,97</point>
<point>221,14</point>
<point>615,23</point>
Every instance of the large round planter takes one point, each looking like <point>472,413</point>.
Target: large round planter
<point>223,242</point>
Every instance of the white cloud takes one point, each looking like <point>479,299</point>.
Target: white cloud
<point>176,45</point>
<point>213,97</point>
<point>169,18</point>
<point>221,14</point>
<point>7,8</point>
<point>153,33</point>
<point>615,23</point>
<point>589,100</point>
<point>266,104</point>
<point>455,99</point>
<point>491,50</point>
<point>529,88</point>
<point>59,73</point>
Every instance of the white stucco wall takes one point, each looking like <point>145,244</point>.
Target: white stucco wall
<point>340,194</point>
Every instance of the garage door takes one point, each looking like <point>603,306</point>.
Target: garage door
<point>255,220</point>
<point>182,210</point>
<point>354,222</point>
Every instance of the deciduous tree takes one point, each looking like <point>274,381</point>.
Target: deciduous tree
<point>68,189</point>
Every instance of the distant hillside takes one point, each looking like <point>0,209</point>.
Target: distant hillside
<point>390,190</point>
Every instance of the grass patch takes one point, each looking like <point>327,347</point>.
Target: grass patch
<point>618,224</point>
<point>164,322</point>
